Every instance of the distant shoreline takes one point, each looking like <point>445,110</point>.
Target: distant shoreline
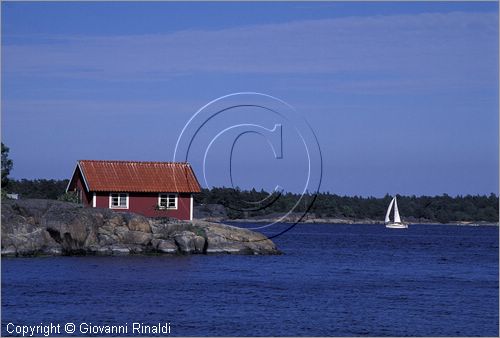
<point>340,221</point>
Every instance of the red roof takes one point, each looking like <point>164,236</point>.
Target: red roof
<point>133,176</point>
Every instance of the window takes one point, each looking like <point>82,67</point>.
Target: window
<point>167,201</point>
<point>118,201</point>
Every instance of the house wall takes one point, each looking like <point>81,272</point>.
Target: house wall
<point>145,203</point>
<point>78,183</point>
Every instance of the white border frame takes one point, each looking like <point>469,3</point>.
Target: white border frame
<point>119,193</point>
<point>168,193</point>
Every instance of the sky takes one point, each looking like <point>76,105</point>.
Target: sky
<point>401,97</point>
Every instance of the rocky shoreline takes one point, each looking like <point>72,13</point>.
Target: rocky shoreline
<point>34,227</point>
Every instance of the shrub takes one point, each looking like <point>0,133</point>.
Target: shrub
<point>70,196</point>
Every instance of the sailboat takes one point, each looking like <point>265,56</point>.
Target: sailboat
<point>397,224</point>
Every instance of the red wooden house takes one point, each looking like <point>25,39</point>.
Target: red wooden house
<point>149,188</point>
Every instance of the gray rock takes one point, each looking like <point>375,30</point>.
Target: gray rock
<point>137,237</point>
<point>210,211</point>
<point>189,242</point>
<point>185,241</point>
<point>165,246</point>
<point>166,230</point>
<point>107,239</point>
<point>116,220</point>
<point>223,238</point>
<point>120,232</point>
<point>199,244</point>
<point>139,223</point>
<point>120,250</point>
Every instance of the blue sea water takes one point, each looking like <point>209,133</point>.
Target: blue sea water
<point>332,280</point>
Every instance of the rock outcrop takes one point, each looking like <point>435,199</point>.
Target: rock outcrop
<point>47,227</point>
<point>210,212</point>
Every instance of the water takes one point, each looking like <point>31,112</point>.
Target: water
<point>333,280</point>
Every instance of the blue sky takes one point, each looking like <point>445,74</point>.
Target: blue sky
<point>403,97</point>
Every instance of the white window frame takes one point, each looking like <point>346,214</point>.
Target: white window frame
<point>111,206</point>
<point>176,201</point>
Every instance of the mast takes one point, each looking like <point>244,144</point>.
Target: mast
<point>387,218</point>
<point>397,218</point>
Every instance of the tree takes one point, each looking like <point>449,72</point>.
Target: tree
<point>6,165</point>
<point>69,196</point>
<point>347,211</point>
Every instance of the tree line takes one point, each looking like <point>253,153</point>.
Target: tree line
<point>443,209</point>
<point>39,188</point>
<point>244,203</point>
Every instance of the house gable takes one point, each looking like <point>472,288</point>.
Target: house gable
<point>79,185</point>
<point>77,175</point>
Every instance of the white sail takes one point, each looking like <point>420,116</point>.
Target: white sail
<point>397,218</point>
<point>387,219</point>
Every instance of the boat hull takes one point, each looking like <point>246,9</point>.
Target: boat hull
<point>396,225</point>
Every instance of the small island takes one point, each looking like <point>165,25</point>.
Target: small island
<point>38,227</point>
